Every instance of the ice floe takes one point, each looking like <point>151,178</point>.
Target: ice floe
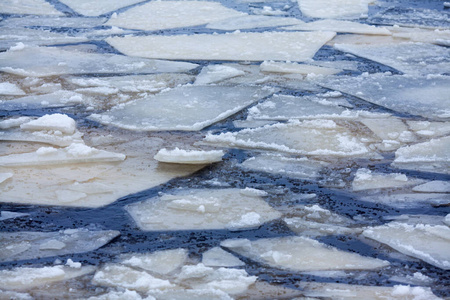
<point>413,17</point>
<point>430,243</point>
<point>204,209</point>
<point>159,262</point>
<point>99,7</point>
<point>191,108</point>
<point>429,129</point>
<point>436,36</point>
<point>60,98</point>
<point>436,186</point>
<point>301,254</point>
<point>31,245</point>
<point>252,21</point>
<point>217,257</point>
<point>159,15</point>
<point>41,61</point>
<point>251,46</point>
<point>49,21</point>
<point>334,9</point>
<point>28,7</point>
<point>181,156</point>
<point>340,26</point>
<point>367,180</point>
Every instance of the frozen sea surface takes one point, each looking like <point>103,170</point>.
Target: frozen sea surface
<point>230,149</point>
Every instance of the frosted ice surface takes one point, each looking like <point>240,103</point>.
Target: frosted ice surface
<point>48,137</point>
<point>26,7</point>
<point>41,61</point>
<point>426,242</point>
<point>252,46</point>
<point>203,209</point>
<point>409,200</point>
<point>180,156</point>
<point>217,257</point>
<point>334,9</point>
<point>409,58</point>
<point>59,98</point>
<point>31,245</point>
<point>279,67</point>
<point>48,21</point>
<point>316,137</point>
<point>216,73</point>
<point>340,26</point>
<point>436,186</point>
<point>424,96</point>
<point>252,21</point>
<point>187,108</point>
<point>413,17</point>
<point>367,180</point>
<point>98,7</point>
<point>301,254</point>
<point>301,168</point>
<point>158,15</point>
<point>159,262</point>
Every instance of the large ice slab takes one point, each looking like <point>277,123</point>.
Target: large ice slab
<point>98,7</point>
<point>426,242</point>
<point>252,21</point>
<point>409,58</point>
<point>413,17</point>
<point>187,108</point>
<point>203,209</point>
<point>41,61</point>
<point>424,96</point>
<point>158,15</point>
<point>31,245</point>
<point>340,26</point>
<point>334,9</point>
<point>317,137</point>
<point>252,46</point>
<point>301,254</point>
<point>31,7</point>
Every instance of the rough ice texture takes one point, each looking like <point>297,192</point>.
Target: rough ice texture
<point>60,98</point>
<point>413,17</point>
<point>424,96</point>
<point>159,262</point>
<point>426,242</point>
<point>203,209</point>
<point>216,73</point>
<point>334,9</point>
<point>252,21</point>
<point>318,137</point>
<point>159,15</point>
<point>436,186</point>
<point>293,46</point>
<point>32,7</point>
<point>41,61</point>
<point>31,245</point>
<point>340,26</point>
<point>98,7</point>
<point>409,58</point>
<point>293,68</point>
<point>301,254</point>
<point>11,89</point>
<point>217,257</point>
<point>188,108</point>
<point>180,156</point>
<point>366,180</point>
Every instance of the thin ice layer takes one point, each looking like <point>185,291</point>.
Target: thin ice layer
<point>426,242</point>
<point>301,254</point>
<point>318,137</point>
<point>252,46</point>
<point>293,68</point>
<point>180,156</point>
<point>424,96</point>
<point>412,17</point>
<point>28,7</point>
<point>98,7</point>
<point>30,245</point>
<point>340,26</point>
<point>334,9</point>
<point>159,15</point>
<point>59,98</point>
<point>409,58</point>
<point>435,186</point>
<point>41,62</point>
<point>217,73</point>
<point>203,209</point>
<point>187,108</point>
<point>252,21</point>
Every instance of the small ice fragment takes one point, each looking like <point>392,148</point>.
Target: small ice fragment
<point>180,156</point>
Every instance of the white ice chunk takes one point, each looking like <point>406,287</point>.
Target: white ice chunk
<point>188,108</point>
<point>366,180</point>
<point>159,262</point>
<point>5,176</point>
<point>58,98</point>
<point>412,17</point>
<point>216,73</point>
<point>252,21</point>
<point>13,122</point>
<point>293,68</point>
<point>334,9</point>
<point>202,209</point>
<point>7,88</point>
<point>426,242</point>
<point>158,15</point>
<point>301,254</point>
<point>59,122</point>
<point>340,26</point>
<point>41,61</point>
<point>409,58</point>
<point>180,156</point>
<point>436,186</point>
<point>46,244</point>
<point>32,7</point>
<point>183,294</point>
<point>217,257</point>
<point>98,7</point>
<point>252,46</point>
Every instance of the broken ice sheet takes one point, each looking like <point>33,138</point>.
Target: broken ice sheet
<point>25,278</point>
<point>316,137</point>
<point>252,21</point>
<point>340,26</point>
<point>430,243</point>
<point>180,156</point>
<point>367,180</point>
<point>423,96</point>
<point>216,73</point>
<point>334,9</point>
<point>249,46</point>
<point>412,17</point>
<point>421,35</point>
<point>98,7</point>
<point>409,58</point>
<point>26,7</point>
<point>203,209</point>
<point>10,89</point>
<point>159,15</point>
<point>49,61</point>
<point>217,257</point>
<point>159,262</point>
<point>188,108</point>
<point>301,254</point>
<point>30,245</point>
